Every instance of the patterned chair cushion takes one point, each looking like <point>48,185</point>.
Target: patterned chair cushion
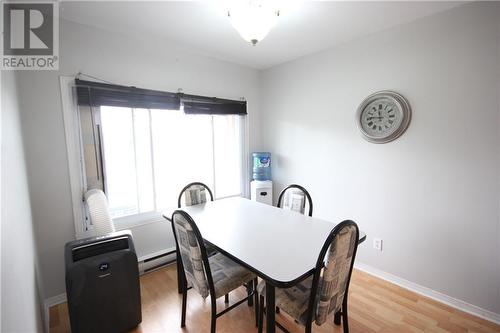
<point>335,274</point>
<point>195,195</point>
<point>226,274</point>
<point>295,200</point>
<point>332,283</point>
<point>294,300</point>
<point>190,252</point>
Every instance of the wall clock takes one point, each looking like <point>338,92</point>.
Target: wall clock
<point>383,116</point>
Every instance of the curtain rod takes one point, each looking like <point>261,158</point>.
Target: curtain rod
<point>79,74</point>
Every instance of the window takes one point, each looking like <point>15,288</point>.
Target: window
<point>143,146</point>
<point>149,155</point>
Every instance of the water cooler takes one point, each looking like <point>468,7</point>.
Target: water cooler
<point>261,187</point>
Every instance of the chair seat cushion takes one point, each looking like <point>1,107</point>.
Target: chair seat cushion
<point>227,274</point>
<point>294,300</point>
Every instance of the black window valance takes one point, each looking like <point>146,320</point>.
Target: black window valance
<point>96,94</point>
<point>92,93</point>
<point>193,104</point>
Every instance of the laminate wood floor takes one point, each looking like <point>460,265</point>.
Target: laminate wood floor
<point>374,306</point>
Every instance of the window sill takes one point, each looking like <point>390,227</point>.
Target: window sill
<point>132,221</point>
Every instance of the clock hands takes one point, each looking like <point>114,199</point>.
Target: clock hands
<point>379,121</point>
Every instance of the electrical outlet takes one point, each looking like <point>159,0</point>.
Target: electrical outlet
<point>377,244</point>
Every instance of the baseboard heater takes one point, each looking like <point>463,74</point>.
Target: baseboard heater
<point>156,262</point>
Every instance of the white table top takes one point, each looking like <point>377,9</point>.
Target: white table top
<point>281,246</point>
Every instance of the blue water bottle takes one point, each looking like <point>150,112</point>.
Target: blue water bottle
<point>261,166</point>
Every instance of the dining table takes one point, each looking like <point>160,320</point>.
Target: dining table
<point>280,246</point>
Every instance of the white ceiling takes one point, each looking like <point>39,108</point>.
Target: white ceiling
<point>305,28</point>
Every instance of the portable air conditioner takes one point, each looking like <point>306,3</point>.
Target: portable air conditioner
<point>102,284</point>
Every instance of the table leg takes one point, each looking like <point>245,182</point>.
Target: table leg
<point>270,309</point>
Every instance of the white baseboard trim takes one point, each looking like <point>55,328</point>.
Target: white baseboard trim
<point>427,292</point>
<point>50,302</point>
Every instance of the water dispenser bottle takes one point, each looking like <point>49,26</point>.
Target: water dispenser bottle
<point>261,166</point>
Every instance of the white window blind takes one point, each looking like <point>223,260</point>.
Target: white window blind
<point>149,155</point>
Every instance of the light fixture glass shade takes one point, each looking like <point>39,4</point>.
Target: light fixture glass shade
<point>253,19</point>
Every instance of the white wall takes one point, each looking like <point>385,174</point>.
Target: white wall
<point>432,195</point>
<point>128,60</point>
<point>20,304</point>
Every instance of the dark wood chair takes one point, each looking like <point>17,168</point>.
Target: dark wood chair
<point>325,292</point>
<point>213,276</point>
<point>295,197</point>
<point>194,194</point>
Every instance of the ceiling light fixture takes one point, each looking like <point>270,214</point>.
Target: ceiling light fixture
<point>253,19</point>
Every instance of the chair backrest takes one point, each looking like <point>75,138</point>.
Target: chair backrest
<point>97,204</point>
<point>193,253</point>
<point>194,194</point>
<point>331,281</point>
<point>295,197</point>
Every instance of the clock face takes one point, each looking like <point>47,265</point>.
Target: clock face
<point>383,116</point>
